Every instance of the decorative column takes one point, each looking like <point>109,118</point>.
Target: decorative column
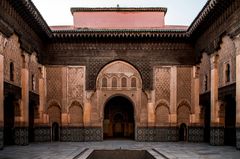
<point>1,100</point>
<point>173,130</point>
<point>87,109</point>
<point>216,130</point>
<point>21,128</point>
<point>42,131</point>
<point>151,117</point>
<point>3,44</point>
<point>237,45</point>
<point>195,130</point>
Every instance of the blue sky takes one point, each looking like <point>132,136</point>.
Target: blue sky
<point>180,12</point>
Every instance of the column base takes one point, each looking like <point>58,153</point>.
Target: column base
<point>42,134</point>
<point>195,134</point>
<point>217,136</point>
<point>238,138</point>
<point>1,138</point>
<point>21,136</point>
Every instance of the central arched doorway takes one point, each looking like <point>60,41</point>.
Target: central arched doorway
<point>118,120</point>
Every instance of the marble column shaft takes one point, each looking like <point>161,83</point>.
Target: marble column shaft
<point>173,96</point>
<point>214,89</point>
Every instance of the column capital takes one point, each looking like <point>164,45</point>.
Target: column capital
<point>42,70</point>
<point>26,59</point>
<point>149,96</point>
<point>237,44</point>
<point>3,43</point>
<point>196,70</point>
<point>214,61</point>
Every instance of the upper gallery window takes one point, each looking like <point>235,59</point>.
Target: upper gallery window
<point>33,83</point>
<point>11,71</point>
<point>114,82</point>
<point>104,82</point>
<point>227,73</point>
<point>124,82</point>
<point>133,82</point>
<point>205,82</point>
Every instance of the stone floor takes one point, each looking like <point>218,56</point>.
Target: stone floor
<point>79,150</point>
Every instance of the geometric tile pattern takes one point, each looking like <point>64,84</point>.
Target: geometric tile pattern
<point>1,138</point>
<point>157,134</point>
<point>217,136</point>
<point>166,134</point>
<point>93,134</point>
<point>74,134</point>
<point>42,134</point>
<point>195,134</point>
<point>21,135</point>
<point>238,138</point>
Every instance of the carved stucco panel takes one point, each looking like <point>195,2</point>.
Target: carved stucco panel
<point>162,83</point>
<point>13,53</point>
<point>226,56</point>
<point>205,68</point>
<point>184,83</point>
<point>75,84</point>
<point>54,83</point>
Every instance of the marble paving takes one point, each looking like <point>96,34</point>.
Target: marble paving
<point>79,150</point>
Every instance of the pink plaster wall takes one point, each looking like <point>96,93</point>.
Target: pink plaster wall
<point>118,20</point>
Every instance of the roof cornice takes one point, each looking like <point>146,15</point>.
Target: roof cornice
<point>208,7</point>
<point>31,15</point>
<point>28,10</point>
<point>120,33</point>
<point>120,9</point>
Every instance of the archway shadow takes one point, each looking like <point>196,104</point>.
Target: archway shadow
<point>118,120</point>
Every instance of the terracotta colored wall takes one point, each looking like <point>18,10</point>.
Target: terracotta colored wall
<point>118,20</point>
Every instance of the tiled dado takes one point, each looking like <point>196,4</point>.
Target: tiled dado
<point>217,136</point>
<point>42,134</point>
<point>195,134</point>
<point>21,135</point>
<point>157,134</point>
<point>1,138</point>
<point>238,138</point>
<point>75,134</point>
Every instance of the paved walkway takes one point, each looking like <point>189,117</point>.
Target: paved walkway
<point>79,150</point>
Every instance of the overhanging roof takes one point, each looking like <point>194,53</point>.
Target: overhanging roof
<point>30,13</point>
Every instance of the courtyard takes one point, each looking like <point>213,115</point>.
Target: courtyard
<point>80,150</point>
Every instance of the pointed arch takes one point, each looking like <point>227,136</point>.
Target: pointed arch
<point>124,82</point>
<point>54,112</point>
<point>133,82</point>
<point>119,73</point>
<point>114,82</point>
<point>183,112</point>
<point>76,113</point>
<point>104,82</point>
<point>162,113</point>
